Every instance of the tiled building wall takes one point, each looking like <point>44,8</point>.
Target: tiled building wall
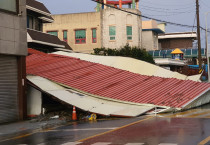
<point>13,36</point>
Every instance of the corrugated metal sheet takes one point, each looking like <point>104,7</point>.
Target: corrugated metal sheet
<point>88,103</point>
<point>114,83</point>
<point>124,63</point>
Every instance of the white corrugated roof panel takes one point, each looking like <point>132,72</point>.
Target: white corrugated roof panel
<point>89,103</point>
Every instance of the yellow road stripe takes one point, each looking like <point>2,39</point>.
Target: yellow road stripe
<point>198,114</point>
<point>33,132</point>
<point>203,142</point>
<point>82,140</point>
<point>181,113</point>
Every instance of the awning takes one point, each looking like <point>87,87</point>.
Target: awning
<point>37,37</point>
<point>40,9</point>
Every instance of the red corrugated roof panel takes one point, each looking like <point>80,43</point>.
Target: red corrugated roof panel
<point>114,83</point>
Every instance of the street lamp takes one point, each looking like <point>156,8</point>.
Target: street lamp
<point>207,51</point>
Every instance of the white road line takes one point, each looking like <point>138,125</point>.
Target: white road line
<point>134,144</point>
<point>71,143</point>
<point>167,144</point>
<point>83,129</point>
<point>102,143</point>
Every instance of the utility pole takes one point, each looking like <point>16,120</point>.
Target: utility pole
<point>198,35</point>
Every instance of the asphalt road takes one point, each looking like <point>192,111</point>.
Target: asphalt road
<point>133,131</point>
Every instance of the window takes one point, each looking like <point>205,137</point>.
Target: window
<point>112,32</point>
<point>129,32</point>
<point>65,35</point>
<point>94,35</point>
<point>80,36</point>
<point>53,33</point>
<point>10,6</point>
<point>30,22</point>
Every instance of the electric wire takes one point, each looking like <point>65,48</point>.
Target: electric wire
<point>147,17</point>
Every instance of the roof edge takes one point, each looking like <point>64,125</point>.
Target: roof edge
<point>37,10</point>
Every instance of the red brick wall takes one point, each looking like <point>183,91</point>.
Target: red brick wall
<point>181,43</point>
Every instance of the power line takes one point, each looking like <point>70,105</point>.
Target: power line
<point>165,9</point>
<point>180,5</point>
<point>158,20</point>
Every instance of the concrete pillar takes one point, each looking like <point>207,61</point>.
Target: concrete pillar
<point>105,4</point>
<point>133,4</point>
<point>98,7</point>
<point>120,4</point>
<point>137,5</point>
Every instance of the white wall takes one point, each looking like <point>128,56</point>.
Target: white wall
<point>149,40</point>
<point>34,101</point>
<point>113,17</point>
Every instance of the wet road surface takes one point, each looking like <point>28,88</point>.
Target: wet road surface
<point>190,127</point>
<point>133,131</point>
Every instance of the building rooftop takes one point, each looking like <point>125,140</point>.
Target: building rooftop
<point>39,8</point>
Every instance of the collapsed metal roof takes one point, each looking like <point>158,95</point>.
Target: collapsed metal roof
<point>131,64</point>
<point>89,103</point>
<point>115,84</point>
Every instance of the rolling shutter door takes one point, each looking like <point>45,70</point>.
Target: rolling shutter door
<point>8,89</point>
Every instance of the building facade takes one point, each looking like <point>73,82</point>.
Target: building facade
<point>108,27</point>
<point>182,40</point>
<point>81,31</point>
<point>37,15</point>
<point>150,32</point>
<point>13,49</point>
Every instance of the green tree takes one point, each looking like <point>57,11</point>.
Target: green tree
<point>126,51</point>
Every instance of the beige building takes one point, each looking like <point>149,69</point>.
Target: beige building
<point>108,28</point>
<point>150,33</point>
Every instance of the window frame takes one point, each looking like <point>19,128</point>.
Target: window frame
<point>52,31</point>
<point>81,39</point>
<point>112,35</point>
<point>12,12</point>
<point>66,40</point>
<point>131,32</point>
<point>92,35</point>
<point>28,22</point>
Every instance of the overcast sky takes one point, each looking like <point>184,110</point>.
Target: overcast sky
<point>178,11</point>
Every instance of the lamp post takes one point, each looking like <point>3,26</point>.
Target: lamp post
<point>207,51</point>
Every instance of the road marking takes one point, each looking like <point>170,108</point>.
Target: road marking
<point>203,142</point>
<point>134,144</point>
<point>33,132</point>
<point>71,143</point>
<point>181,114</point>
<point>83,129</point>
<point>82,140</point>
<point>102,143</point>
<point>167,144</point>
<point>196,113</point>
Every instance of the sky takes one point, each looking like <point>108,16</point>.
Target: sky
<point>178,11</point>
